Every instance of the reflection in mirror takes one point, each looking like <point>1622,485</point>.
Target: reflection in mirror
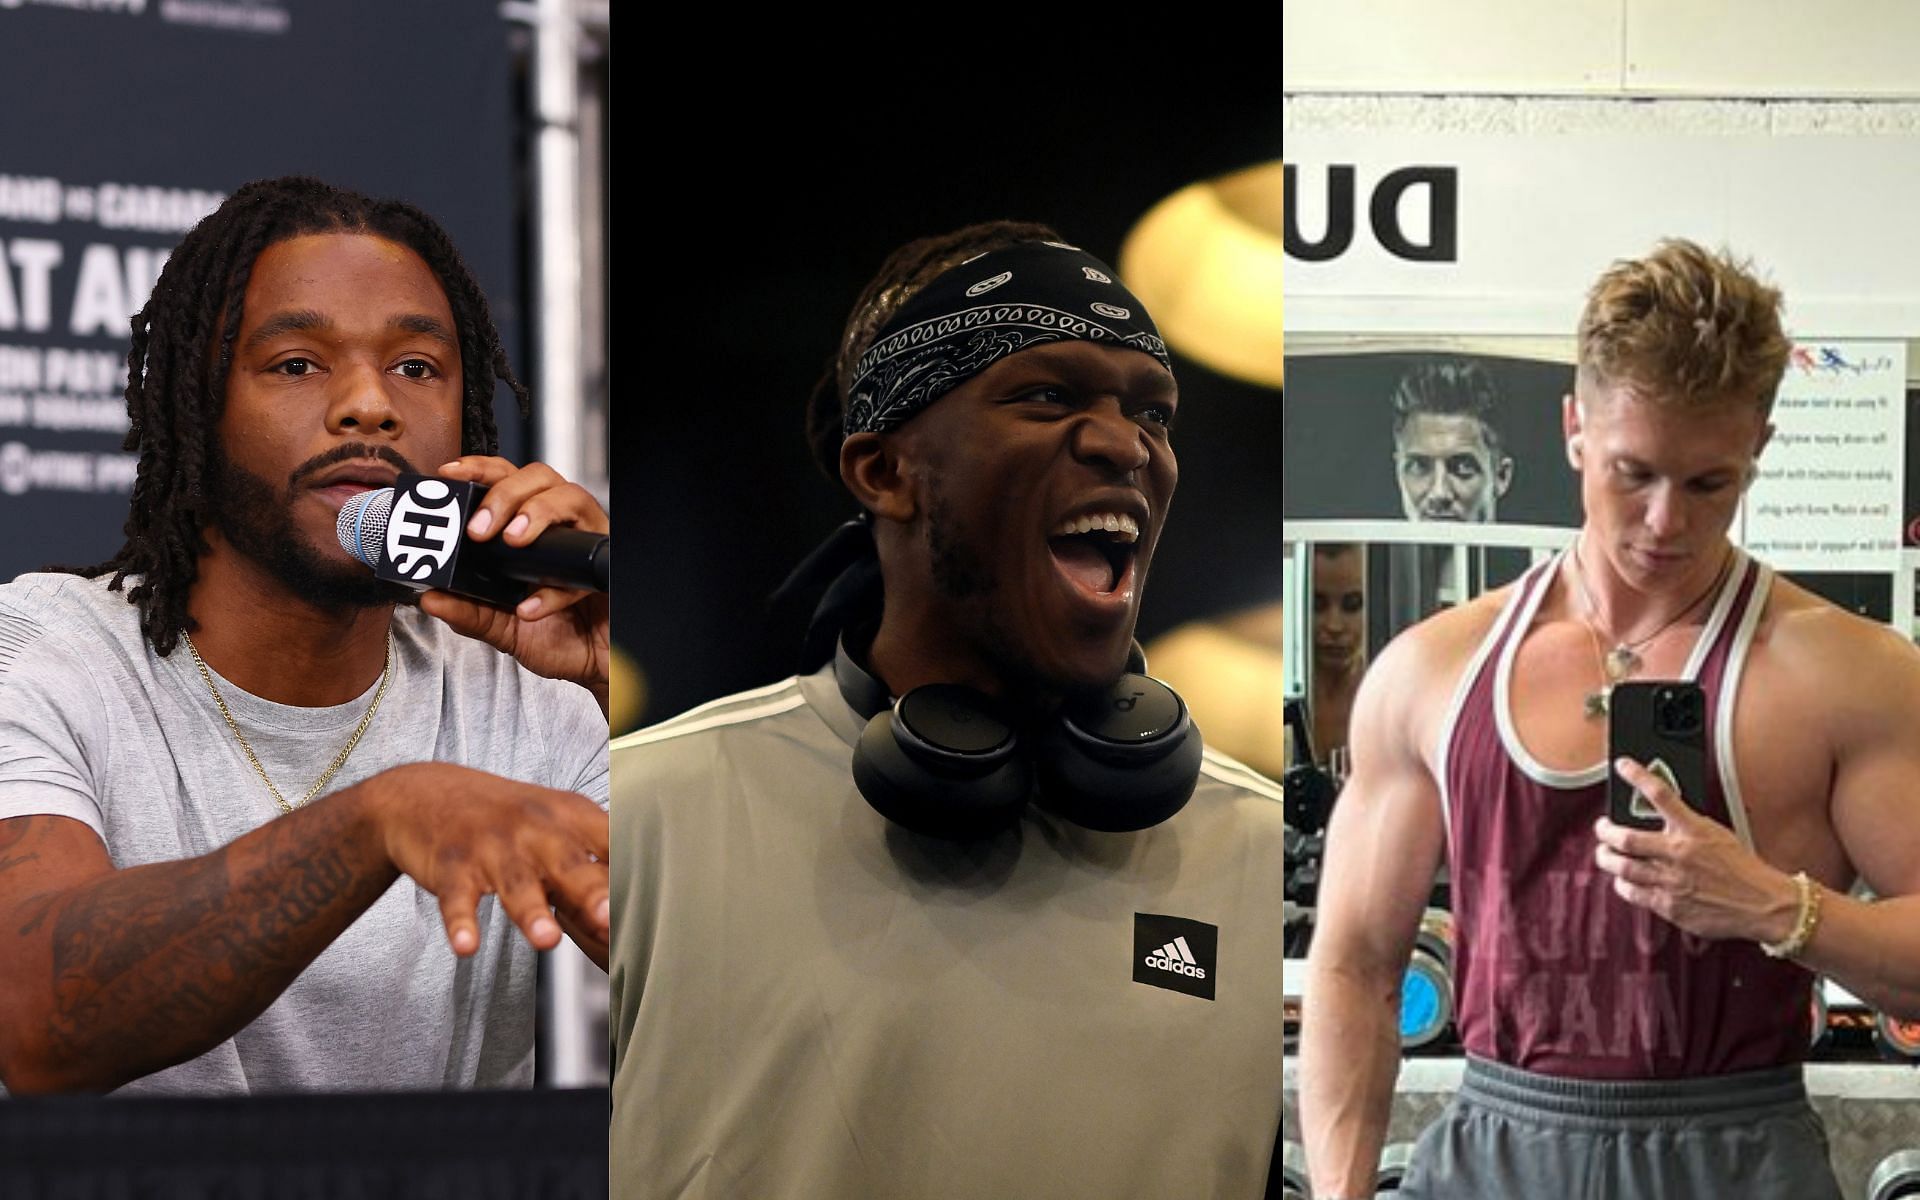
<point>1415,581</point>
<point>1339,582</point>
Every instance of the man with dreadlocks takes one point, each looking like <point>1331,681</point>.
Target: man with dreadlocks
<point>220,749</point>
<point>851,958</point>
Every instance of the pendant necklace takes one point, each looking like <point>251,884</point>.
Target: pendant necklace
<point>1624,659</point>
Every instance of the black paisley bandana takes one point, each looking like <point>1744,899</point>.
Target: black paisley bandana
<point>979,312</point>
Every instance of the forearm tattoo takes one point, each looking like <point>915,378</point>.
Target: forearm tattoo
<point>15,838</point>
<point>154,964</point>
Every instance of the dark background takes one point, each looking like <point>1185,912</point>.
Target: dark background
<point>415,100</point>
<point>1911,534</point>
<point>768,228</point>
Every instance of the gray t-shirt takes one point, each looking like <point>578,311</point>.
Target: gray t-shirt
<point>810,1004</point>
<point>96,727</point>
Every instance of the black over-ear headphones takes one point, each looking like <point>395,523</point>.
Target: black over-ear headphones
<point>949,761</point>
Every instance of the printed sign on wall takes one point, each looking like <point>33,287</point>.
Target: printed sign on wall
<point>1828,495</point>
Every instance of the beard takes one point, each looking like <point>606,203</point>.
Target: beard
<point>959,571</point>
<point>257,521</point>
<point>967,582</point>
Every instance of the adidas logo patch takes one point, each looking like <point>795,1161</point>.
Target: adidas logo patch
<point>1175,953</point>
<point>1176,956</point>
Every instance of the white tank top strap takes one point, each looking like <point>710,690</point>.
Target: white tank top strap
<point>1519,607</point>
<point>1743,633</point>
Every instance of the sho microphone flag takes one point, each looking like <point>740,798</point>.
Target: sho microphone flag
<point>414,533</point>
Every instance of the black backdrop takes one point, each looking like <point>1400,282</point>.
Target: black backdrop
<point>758,232</point>
<point>414,100</point>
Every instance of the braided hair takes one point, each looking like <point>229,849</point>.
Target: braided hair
<point>848,558</point>
<point>183,347</point>
<point>907,270</point>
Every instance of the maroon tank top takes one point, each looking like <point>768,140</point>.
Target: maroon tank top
<point>1554,972</point>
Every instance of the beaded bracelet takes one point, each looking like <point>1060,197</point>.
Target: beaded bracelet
<point>1804,924</point>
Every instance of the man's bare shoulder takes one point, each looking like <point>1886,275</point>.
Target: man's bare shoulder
<point>1812,630</point>
<point>1445,641</point>
<point>1413,679</point>
<point>1859,667</point>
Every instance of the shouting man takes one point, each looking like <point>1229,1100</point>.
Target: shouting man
<point>971,995</point>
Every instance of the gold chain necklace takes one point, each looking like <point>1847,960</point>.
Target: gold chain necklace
<point>1624,659</point>
<point>339,760</point>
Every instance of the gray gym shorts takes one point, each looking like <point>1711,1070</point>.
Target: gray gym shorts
<point>1514,1135</point>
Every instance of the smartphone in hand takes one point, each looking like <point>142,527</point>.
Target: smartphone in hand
<point>1662,724</point>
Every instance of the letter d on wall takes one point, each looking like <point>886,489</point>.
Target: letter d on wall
<point>1443,213</point>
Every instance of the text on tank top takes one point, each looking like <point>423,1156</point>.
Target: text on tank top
<point>1553,971</point>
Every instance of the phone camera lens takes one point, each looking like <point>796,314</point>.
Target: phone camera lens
<point>1680,711</point>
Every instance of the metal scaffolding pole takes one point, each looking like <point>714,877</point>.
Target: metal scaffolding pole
<point>556,84</point>
<point>575,998</point>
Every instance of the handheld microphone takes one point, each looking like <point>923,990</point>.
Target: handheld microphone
<point>414,533</point>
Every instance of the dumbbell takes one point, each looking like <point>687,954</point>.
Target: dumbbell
<point>1303,883</point>
<point>1896,1040</point>
<point>1292,842</point>
<point>1426,991</point>
<point>1817,1039</point>
<point>1850,1023</point>
<point>1308,793</point>
<point>1394,1161</point>
<point>1897,1177</point>
<point>1435,935</point>
<point>1294,1184</point>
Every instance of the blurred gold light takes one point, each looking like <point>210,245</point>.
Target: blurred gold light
<point>1228,672</point>
<point>627,693</point>
<point>1206,262</point>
